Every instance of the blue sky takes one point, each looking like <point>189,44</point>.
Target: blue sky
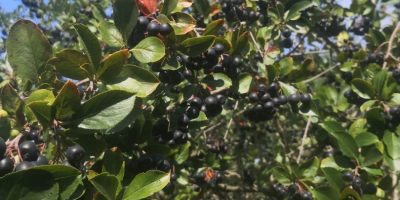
<point>10,5</point>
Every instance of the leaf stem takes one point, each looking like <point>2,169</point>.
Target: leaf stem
<point>390,44</point>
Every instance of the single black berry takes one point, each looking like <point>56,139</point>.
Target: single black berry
<point>6,166</point>
<point>210,102</point>
<point>348,176</point>
<point>42,160</point>
<point>23,165</point>
<point>221,99</point>
<point>28,151</point>
<point>165,29</point>
<point>142,23</point>
<point>266,97</point>
<point>219,49</point>
<point>193,112</point>
<point>3,147</point>
<point>196,102</point>
<point>75,154</point>
<point>286,33</point>
<point>357,183</point>
<point>287,43</point>
<point>305,98</point>
<point>370,189</point>
<point>183,120</point>
<point>187,73</point>
<point>153,28</point>
<point>253,96</point>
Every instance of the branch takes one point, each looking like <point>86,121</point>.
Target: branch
<point>255,43</point>
<point>297,46</point>
<point>320,74</point>
<point>82,82</point>
<point>231,120</point>
<point>304,139</point>
<point>390,44</point>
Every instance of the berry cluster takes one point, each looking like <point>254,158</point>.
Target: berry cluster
<point>153,28</point>
<point>247,177</point>
<point>331,27</point>
<point>169,188</point>
<point>362,27</point>
<point>207,177</point>
<point>199,20</point>
<point>170,138</point>
<point>353,98</point>
<point>279,190</point>
<point>30,156</point>
<point>212,106</point>
<point>217,147</point>
<point>74,156</point>
<point>287,42</point>
<point>232,9</point>
<point>392,118</point>
<point>33,134</point>
<point>30,3</point>
<point>6,163</point>
<point>357,184</point>
<point>350,48</point>
<point>150,162</point>
<point>377,58</point>
<point>267,98</point>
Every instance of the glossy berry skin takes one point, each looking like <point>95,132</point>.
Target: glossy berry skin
<point>219,49</point>
<point>274,87</point>
<point>306,196</point>
<point>193,112</point>
<point>370,189</point>
<point>166,167</point>
<point>23,165</point>
<point>268,107</point>
<point>262,88</point>
<point>283,99</point>
<point>357,183</point>
<point>196,102</point>
<point>220,177</point>
<point>142,23</point>
<point>211,102</point>
<point>6,166</point>
<point>145,162</point>
<point>153,29</point>
<point>75,154</point>
<point>3,147</point>
<point>33,135</point>
<point>42,160</point>
<point>221,99</point>
<point>253,97</point>
<point>173,177</point>
<point>287,43</point>
<point>236,61</point>
<point>28,151</point>
<point>183,120</point>
<point>165,29</point>
<point>266,97</point>
<point>39,140</point>
<point>396,73</point>
<point>286,33</point>
<point>187,73</point>
<point>305,98</point>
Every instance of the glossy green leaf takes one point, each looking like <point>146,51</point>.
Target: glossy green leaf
<point>217,81</point>
<point>183,23</point>
<point>183,153</point>
<point>110,34</point>
<point>44,112</point>
<point>243,83</point>
<point>145,184</point>
<point>326,193</point>
<point>240,44</point>
<point>103,111</point>
<point>365,139</point>
<point>286,66</point>
<point>334,177</point>
<point>363,88</point>
<point>392,142</point>
<point>107,184</point>
<point>28,50</point>
<point>214,27</point>
<point>281,175</point>
<point>171,62</point>
<point>91,44</point>
<point>196,46</point>
<point>169,6</point>
<point>125,14</point>
<point>271,71</point>
<point>67,100</point>
<point>148,50</point>
<point>113,163</point>
<point>373,156</point>
<point>309,168</point>
<point>44,187</point>
<point>12,103</point>
<point>69,62</point>
<point>349,193</point>
<point>142,128</point>
<point>112,65</point>
<point>287,89</point>
<point>297,7</point>
<point>200,122</point>
<point>202,6</point>
<point>367,105</point>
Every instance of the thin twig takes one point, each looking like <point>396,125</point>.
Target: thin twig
<point>304,139</point>
<point>281,132</point>
<point>210,128</point>
<point>255,43</point>
<point>320,74</point>
<point>82,82</point>
<point>390,44</point>
<point>309,52</point>
<point>300,42</point>
<point>231,120</point>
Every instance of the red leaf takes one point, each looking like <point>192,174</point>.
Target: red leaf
<point>147,7</point>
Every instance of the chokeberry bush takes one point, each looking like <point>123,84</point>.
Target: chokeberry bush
<point>200,99</point>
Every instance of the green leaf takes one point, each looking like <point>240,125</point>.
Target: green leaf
<point>183,23</point>
<point>171,62</point>
<point>304,72</point>
<point>297,7</point>
<point>69,62</point>
<point>169,6</point>
<point>217,81</point>
<point>286,66</point>
<point>369,197</point>
<point>271,71</point>
<point>349,193</point>
<point>145,184</point>
<point>281,175</point>
<point>125,14</point>
<point>200,122</point>
<point>365,139</point>
<point>357,127</point>
<point>287,89</point>
<point>326,193</point>
<point>332,126</point>
<point>240,44</point>
<point>20,185</point>
<point>107,184</point>
<point>142,128</point>
<point>44,112</point>
<point>392,142</point>
<point>384,85</point>
<point>12,104</point>
<point>196,46</point>
<point>67,100</point>
<point>183,153</point>
<point>68,178</point>
<point>363,88</point>
<point>28,50</point>
<point>203,7</point>
<point>243,83</point>
<point>367,105</point>
<point>93,148</point>
<point>113,163</point>
<point>214,27</point>
<point>148,50</point>
<point>38,95</point>
<point>309,168</point>
<point>373,155</point>
<point>334,177</point>
<point>91,44</point>
<point>103,111</point>
<point>110,34</point>
<point>112,65</point>
<point>132,116</point>
<point>377,36</point>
